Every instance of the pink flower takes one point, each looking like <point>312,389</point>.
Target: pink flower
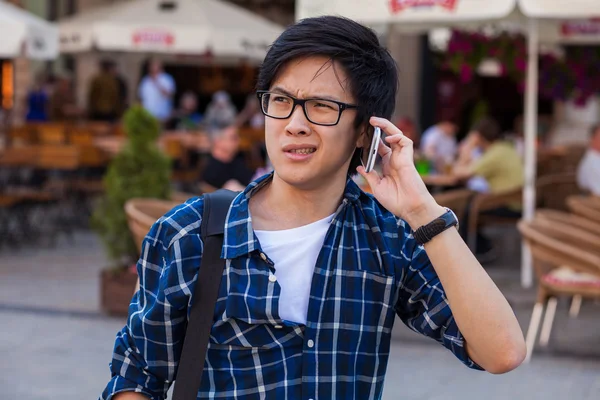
<point>521,64</point>
<point>466,73</point>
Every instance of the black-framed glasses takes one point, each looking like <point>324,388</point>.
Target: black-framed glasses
<point>318,111</point>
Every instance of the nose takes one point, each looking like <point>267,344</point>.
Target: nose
<point>298,124</point>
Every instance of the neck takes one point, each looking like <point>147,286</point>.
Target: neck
<point>282,206</point>
<point>596,146</point>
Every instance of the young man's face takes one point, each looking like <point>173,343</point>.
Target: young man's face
<point>312,77</point>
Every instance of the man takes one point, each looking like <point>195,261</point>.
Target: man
<point>156,91</point>
<point>498,168</point>
<point>104,98</point>
<point>438,144</point>
<point>220,112</point>
<point>588,173</point>
<point>316,269</point>
<point>225,167</point>
<point>499,163</point>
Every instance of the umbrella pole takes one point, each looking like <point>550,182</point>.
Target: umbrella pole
<point>531,119</point>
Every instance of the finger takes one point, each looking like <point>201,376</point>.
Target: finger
<point>372,177</point>
<point>399,139</point>
<point>385,125</point>
<point>383,149</point>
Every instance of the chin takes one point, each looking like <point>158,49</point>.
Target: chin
<point>300,178</point>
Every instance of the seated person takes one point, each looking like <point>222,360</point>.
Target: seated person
<point>225,167</point>
<point>468,153</point>
<point>187,117</point>
<point>499,164</point>
<point>438,144</point>
<point>588,172</point>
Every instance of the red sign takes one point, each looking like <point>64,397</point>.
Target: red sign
<point>586,27</point>
<point>153,37</point>
<point>401,5</point>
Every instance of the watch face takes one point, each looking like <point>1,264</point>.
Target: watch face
<point>453,217</point>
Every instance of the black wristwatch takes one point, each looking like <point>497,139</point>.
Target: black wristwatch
<point>427,232</point>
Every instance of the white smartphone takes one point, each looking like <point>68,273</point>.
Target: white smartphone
<point>373,150</point>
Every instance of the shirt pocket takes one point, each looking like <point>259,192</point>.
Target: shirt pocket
<point>366,300</point>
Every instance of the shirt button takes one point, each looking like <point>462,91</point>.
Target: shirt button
<point>272,278</point>
<point>278,326</point>
<point>310,344</point>
<point>263,256</point>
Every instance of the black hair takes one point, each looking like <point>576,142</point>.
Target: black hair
<point>371,70</point>
<point>488,129</point>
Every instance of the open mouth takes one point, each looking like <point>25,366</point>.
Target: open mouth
<point>303,151</point>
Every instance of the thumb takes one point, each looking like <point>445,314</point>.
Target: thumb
<point>372,177</point>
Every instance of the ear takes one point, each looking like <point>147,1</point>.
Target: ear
<point>363,137</point>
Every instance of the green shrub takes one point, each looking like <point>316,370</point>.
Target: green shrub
<point>139,170</point>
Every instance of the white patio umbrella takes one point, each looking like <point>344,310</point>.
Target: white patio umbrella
<point>23,33</point>
<point>190,27</point>
<point>545,19</point>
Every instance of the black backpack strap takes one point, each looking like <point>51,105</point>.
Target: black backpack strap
<point>195,344</point>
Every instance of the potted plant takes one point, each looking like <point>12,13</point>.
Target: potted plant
<point>139,170</point>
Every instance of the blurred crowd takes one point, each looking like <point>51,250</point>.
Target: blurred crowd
<point>52,98</point>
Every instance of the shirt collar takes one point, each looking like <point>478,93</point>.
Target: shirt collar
<point>239,238</point>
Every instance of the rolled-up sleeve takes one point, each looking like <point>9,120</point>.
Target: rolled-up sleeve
<point>422,304</point>
<point>147,349</point>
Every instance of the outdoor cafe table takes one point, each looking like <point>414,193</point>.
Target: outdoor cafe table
<point>199,142</point>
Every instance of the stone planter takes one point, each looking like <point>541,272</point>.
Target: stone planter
<point>116,290</point>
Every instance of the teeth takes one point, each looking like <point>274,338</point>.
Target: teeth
<point>303,151</point>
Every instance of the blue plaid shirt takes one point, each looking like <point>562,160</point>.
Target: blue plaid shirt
<point>369,269</point>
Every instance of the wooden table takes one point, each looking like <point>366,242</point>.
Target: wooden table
<point>168,141</point>
<point>440,180</point>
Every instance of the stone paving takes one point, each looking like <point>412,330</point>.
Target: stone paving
<point>55,344</point>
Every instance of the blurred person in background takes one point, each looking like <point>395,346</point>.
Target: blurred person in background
<point>588,172</point>
<point>225,167</point>
<point>186,117</point>
<point>156,91</point>
<point>63,106</point>
<point>438,144</point>
<point>220,112</point>
<point>104,96</point>
<point>499,164</point>
<point>38,100</point>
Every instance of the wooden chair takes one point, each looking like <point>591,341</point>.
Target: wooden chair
<point>483,202</point>
<point>80,136</point>
<point>553,190</point>
<point>585,206</point>
<point>456,200</point>
<point>22,135</point>
<point>15,157</point>
<point>568,219</point>
<point>51,133</point>
<point>141,215</point>
<point>181,197</point>
<point>566,260</point>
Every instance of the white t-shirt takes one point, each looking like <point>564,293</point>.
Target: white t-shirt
<point>153,99</point>
<point>445,147</point>
<point>588,173</point>
<point>294,253</point>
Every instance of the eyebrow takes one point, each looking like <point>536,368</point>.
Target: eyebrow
<point>319,97</point>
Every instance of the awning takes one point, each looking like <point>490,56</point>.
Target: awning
<point>24,33</point>
<point>191,27</point>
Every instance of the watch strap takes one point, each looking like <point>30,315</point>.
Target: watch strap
<point>427,232</point>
